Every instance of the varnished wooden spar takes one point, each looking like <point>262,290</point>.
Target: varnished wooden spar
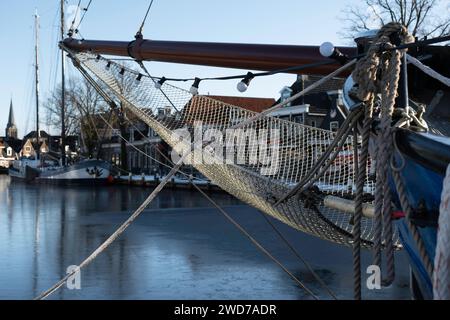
<point>265,57</point>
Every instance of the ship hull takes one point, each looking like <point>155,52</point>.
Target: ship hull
<point>87,172</point>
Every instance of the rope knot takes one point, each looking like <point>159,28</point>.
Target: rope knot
<point>371,70</point>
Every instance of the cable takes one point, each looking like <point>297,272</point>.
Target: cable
<point>297,254</point>
<point>139,33</point>
<point>255,242</point>
<point>85,10</point>
<point>71,29</point>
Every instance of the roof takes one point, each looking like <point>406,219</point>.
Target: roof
<point>331,85</point>
<point>32,135</point>
<point>248,103</point>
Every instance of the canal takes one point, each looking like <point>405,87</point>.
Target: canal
<point>180,248</point>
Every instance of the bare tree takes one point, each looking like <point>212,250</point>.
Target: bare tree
<point>53,107</point>
<point>423,18</point>
<point>82,103</point>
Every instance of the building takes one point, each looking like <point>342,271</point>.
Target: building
<point>10,145</point>
<point>11,128</point>
<point>46,144</point>
<point>142,140</point>
<point>321,108</point>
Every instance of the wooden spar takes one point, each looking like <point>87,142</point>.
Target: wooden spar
<point>263,57</point>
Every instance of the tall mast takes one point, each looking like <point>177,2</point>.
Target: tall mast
<point>36,26</point>
<point>63,92</point>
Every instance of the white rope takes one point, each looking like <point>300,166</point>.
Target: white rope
<point>441,274</point>
<point>428,70</point>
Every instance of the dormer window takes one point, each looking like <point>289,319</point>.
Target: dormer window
<point>286,93</point>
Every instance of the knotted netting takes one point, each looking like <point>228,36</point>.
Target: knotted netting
<point>258,163</point>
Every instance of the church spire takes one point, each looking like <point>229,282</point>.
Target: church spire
<point>11,129</point>
<point>11,120</point>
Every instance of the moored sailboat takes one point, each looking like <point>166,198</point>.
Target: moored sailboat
<point>45,169</point>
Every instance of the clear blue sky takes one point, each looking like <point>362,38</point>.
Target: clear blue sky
<point>249,21</point>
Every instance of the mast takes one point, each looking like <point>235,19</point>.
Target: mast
<point>36,26</point>
<point>63,92</point>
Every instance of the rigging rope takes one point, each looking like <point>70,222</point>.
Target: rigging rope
<point>141,29</point>
<point>76,30</point>
<point>256,243</point>
<point>427,70</point>
<point>85,10</point>
<point>297,254</point>
<point>72,25</point>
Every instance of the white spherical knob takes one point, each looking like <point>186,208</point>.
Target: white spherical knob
<point>242,87</point>
<point>194,91</point>
<point>327,49</point>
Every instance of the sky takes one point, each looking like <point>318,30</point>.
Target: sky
<point>296,22</point>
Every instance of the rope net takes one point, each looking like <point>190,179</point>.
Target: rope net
<point>258,163</point>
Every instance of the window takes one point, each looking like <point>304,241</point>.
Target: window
<point>9,152</point>
<point>334,126</point>
<point>299,118</point>
<point>27,149</point>
<point>286,94</point>
<point>131,135</point>
<point>313,123</point>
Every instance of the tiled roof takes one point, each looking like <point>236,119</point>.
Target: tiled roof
<point>249,103</point>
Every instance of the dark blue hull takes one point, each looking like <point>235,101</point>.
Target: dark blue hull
<point>425,158</point>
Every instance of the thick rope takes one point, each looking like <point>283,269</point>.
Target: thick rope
<point>360,181</point>
<point>379,72</point>
<point>441,274</point>
<point>412,227</point>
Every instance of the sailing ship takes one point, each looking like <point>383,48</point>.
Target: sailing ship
<point>302,194</point>
<point>45,169</point>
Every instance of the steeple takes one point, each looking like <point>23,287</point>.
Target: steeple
<point>11,121</point>
<point>11,129</point>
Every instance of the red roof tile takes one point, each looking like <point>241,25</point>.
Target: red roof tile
<point>248,103</point>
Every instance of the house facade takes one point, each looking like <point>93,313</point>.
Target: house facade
<point>321,108</point>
